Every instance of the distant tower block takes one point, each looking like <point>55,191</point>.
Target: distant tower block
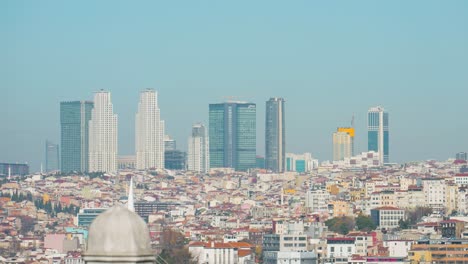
<point>378,133</point>
<point>149,132</point>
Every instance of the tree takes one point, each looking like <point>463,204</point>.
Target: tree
<point>365,223</point>
<point>174,249</point>
<point>404,224</point>
<point>414,216</point>
<point>341,225</point>
<point>27,224</point>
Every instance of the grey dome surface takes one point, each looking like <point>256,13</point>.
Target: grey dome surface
<point>118,232</point>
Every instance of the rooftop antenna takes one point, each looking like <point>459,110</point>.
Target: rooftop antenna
<point>352,121</point>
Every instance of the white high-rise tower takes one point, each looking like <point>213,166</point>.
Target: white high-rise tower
<point>198,150</point>
<point>103,135</point>
<point>149,132</point>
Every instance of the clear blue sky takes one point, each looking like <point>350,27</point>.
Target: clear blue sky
<point>328,59</point>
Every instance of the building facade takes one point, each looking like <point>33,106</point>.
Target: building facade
<point>232,135</point>
<point>175,160</point>
<point>74,130</point>
<point>14,169</point>
<point>198,150</point>
<point>461,156</point>
<point>378,132</point>
<point>103,135</point>
<point>52,156</point>
<point>387,217</point>
<point>149,132</point>
<point>169,143</point>
<point>275,135</point>
<point>300,162</point>
<point>342,145</point>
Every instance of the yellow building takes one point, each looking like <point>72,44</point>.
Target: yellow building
<point>357,194</point>
<point>349,130</point>
<point>439,251</point>
<point>333,189</point>
<point>343,143</point>
<point>341,208</point>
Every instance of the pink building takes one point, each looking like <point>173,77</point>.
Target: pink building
<point>54,241</point>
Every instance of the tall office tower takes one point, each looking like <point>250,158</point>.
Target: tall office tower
<point>461,156</point>
<point>169,143</point>
<point>232,135</point>
<point>149,132</point>
<point>175,160</point>
<point>103,135</point>
<point>378,134</point>
<point>342,145</point>
<point>198,150</point>
<point>351,132</point>
<point>52,156</point>
<point>74,123</point>
<point>275,136</point>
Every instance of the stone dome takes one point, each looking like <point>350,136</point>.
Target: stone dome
<point>118,232</point>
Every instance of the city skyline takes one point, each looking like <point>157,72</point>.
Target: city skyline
<point>411,59</point>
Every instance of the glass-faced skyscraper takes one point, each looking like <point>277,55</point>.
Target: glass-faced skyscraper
<point>378,134</point>
<point>275,136</point>
<point>232,135</point>
<point>74,126</point>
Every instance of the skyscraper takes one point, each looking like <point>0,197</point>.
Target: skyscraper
<point>74,126</point>
<point>351,132</point>
<point>52,156</point>
<point>378,134</point>
<point>103,135</point>
<point>149,132</point>
<point>232,135</point>
<point>275,135</point>
<point>461,156</point>
<point>342,145</point>
<point>169,143</point>
<point>198,149</point>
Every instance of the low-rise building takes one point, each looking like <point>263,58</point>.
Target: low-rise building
<point>387,217</point>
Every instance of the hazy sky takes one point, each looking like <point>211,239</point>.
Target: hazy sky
<point>328,59</point>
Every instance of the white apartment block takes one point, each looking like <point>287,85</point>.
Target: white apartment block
<point>434,193</point>
<point>198,150</point>
<point>340,248</point>
<point>387,217</point>
<point>398,248</point>
<point>149,132</point>
<point>317,200</point>
<point>362,243</point>
<point>461,179</point>
<point>226,253</point>
<point>103,135</point>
